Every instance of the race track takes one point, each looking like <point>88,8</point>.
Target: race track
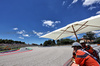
<point>39,56</point>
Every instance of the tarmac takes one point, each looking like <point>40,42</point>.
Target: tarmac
<point>38,56</point>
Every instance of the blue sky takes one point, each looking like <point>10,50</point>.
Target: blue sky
<point>27,20</point>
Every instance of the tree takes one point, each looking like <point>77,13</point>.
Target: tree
<point>54,42</point>
<point>0,40</point>
<point>64,41</point>
<point>89,36</point>
<point>85,37</point>
<point>97,40</point>
<point>10,41</point>
<point>6,41</point>
<point>49,43</point>
<point>41,44</point>
<point>58,42</point>
<point>67,41</point>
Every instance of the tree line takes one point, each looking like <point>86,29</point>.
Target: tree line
<point>58,42</point>
<point>6,41</point>
<point>88,36</point>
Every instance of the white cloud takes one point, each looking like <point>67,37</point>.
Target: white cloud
<point>74,1</point>
<point>37,33</point>
<point>90,2</point>
<point>49,23</point>
<point>87,3</point>
<point>64,2</point>
<point>90,8</point>
<point>74,36</point>
<point>26,35</point>
<point>98,12</point>
<point>96,31</point>
<point>57,22</point>
<point>15,28</point>
<point>21,37</point>
<point>21,32</point>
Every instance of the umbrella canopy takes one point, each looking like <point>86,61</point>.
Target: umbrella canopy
<point>90,24</point>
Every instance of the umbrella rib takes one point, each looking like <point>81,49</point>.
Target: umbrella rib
<point>87,26</point>
<point>81,26</point>
<point>62,33</point>
<point>75,33</point>
<point>68,31</point>
<point>91,25</point>
<point>71,31</point>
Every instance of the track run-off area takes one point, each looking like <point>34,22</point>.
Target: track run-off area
<point>39,56</point>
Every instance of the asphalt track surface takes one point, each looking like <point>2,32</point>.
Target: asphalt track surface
<point>39,56</point>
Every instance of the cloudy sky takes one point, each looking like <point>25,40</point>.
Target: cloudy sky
<point>27,20</point>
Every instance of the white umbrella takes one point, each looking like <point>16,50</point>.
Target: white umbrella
<point>90,24</point>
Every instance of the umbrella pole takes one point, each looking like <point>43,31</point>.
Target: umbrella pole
<point>75,33</point>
